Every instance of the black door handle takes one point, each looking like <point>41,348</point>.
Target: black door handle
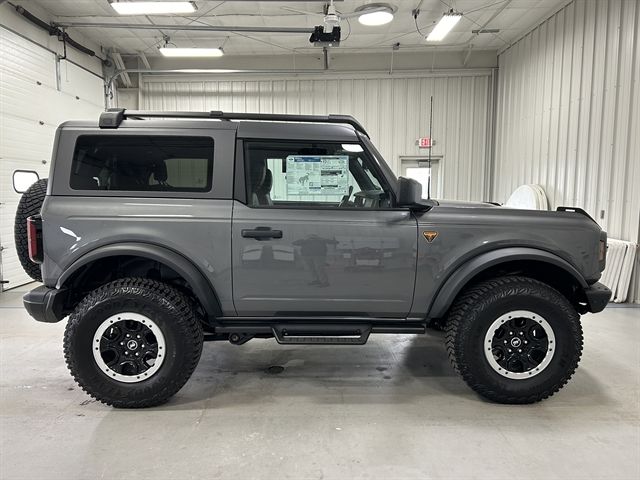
<point>262,233</point>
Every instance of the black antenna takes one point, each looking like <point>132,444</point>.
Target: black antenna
<point>430,147</point>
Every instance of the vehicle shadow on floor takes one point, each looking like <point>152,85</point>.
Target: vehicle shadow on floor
<point>385,370</point>
<point>403,369</point>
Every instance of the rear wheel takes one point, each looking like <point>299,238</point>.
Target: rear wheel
<point>133,342</point>
<point>514,339</point>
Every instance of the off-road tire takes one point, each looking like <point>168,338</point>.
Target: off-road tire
<point>479,306</point>
<point>30,204</point>
<point>172,312</point>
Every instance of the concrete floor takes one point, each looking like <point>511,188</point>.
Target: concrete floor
<point>391,409</point>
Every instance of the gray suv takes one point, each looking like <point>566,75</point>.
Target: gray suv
<point>157,231</point>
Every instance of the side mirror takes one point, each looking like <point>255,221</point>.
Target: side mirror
<point>23,179</point>
<point>410,193</point>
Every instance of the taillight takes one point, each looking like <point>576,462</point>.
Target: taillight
<point>34,238</point>
<point>602,251</point>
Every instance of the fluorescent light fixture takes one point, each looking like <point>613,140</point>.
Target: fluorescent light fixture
<point>153,8</point>
<point>352,147</point>
<point>382,14</point>
<point>444,26</point>
<point>191,52</point>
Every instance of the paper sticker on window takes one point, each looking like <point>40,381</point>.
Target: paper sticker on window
<point>317,174</point>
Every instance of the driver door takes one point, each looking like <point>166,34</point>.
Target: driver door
<point>318,235</point>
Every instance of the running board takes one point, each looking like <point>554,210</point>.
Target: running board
<point>310,333</point>
<point>321,334</point>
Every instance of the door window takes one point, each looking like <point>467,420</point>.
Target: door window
<point>312,174</point>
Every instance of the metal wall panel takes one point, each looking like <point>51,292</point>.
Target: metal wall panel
<point>568,113</point>
<point>35,97</point>
<point>393,108</point>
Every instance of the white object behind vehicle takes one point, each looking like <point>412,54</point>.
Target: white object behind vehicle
<point>528,197</point>
<point>620,260</point>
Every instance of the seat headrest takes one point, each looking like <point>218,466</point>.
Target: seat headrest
<point>160,173</point>
<point>258,172</point>
<point>267,182</point>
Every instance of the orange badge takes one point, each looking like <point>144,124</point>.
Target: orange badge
<point>430,235</point>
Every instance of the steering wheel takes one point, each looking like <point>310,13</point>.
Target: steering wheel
<point>345,198</point>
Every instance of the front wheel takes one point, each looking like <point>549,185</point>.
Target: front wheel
<point>514,339</point>
<point>133,342</point>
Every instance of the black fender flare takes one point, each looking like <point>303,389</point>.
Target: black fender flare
<point>459,278</point>
<point>201,286</point>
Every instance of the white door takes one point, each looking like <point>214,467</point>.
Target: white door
<point>34,100</point>
<point>418,168</point>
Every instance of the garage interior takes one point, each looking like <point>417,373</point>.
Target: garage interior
<point>539,93</point>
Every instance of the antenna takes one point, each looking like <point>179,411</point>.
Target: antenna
<point>430,147</point>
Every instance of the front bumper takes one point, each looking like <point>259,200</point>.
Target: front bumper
<point>597,297</point>
<point>45,304</point>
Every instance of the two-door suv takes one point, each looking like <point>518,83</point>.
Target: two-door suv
<point>157,231</point>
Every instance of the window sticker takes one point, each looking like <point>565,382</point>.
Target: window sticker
<point>317,174</point>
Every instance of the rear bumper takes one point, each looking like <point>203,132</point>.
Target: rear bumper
<point>45,304</point>
<point>597,297</point>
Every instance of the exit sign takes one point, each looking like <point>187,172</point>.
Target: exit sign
<point>424,142</point>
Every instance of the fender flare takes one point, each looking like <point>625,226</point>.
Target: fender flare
<point>201,286</point>
<point>458,279</point>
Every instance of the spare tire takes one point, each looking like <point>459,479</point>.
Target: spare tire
<point>30,204</point>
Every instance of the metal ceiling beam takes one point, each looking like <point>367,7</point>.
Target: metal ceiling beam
<point>121,66</point>
<point>110,80</point>
<point>144,59</point>
<point>195,28</point>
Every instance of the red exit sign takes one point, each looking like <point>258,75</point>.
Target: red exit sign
<point>424,142</point>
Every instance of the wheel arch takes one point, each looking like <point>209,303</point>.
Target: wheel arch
<point>183,267</point>
<point>539,264</point>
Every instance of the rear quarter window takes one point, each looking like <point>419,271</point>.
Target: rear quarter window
<point>142,163</point>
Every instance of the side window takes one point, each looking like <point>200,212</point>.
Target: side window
<point>312,174</point>
<point>142,163</point>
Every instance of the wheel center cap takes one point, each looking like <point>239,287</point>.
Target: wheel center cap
<point>516,342</point>
<point>132,344</point>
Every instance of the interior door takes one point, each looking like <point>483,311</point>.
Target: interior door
<point>319,236</point>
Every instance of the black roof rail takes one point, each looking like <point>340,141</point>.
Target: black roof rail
<point>113,117</point>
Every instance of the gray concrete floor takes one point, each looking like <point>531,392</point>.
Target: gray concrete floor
<point>391,409</point>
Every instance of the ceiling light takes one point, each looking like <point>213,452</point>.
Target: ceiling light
<point>153,8</point>
<point>444,26</point>
<point>374,14</point>
<point>191,52</point>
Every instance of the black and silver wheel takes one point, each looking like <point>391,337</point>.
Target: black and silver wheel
<point>129,347</point>
<point>519,344</point>
<point>133,342</point>
<point>514,339</point>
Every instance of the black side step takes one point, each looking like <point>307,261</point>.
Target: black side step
<point>321,334</point>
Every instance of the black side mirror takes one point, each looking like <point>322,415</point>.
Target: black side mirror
<point>409,193</point>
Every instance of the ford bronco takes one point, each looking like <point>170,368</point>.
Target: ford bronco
<point>157,231</point>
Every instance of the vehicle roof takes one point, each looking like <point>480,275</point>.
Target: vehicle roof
<point>245,128</point>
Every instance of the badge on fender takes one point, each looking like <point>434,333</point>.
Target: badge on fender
<point>430,235</point>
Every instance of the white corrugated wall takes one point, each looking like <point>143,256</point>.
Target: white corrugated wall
<point>34,99</point>
<point>568,114</point>
<point>393,108</point>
